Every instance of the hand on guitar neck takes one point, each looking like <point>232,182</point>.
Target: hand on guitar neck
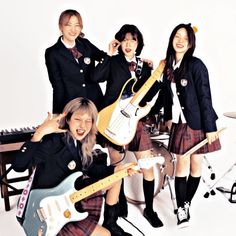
<point>45,217</point>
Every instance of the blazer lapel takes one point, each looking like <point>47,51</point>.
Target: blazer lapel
<point>64,51</point>
<point>69,143</point>
<point>124,65</point>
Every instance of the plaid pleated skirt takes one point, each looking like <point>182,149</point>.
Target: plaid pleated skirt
<point>85,227</point>
<point>183,138</point>
<point>141,140</point>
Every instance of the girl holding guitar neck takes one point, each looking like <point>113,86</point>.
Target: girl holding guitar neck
<point>64,145</point>
<point>116,70</point>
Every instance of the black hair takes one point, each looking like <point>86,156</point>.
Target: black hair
<point>135,32</point>
<point>170,54</point>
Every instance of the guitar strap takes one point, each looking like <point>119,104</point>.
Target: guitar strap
<point>139,66</point>
<point>24,196</point>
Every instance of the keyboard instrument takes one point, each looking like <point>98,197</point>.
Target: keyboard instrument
<point>10,142</point>
<point>16,135</point>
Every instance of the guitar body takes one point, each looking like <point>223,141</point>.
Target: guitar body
<point>48,210</point>
<point>118,121</point>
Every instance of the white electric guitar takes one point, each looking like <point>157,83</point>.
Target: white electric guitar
<point>48,210</point>
<point>118,121</point>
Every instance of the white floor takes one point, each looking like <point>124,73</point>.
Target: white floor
<point>214,215</point>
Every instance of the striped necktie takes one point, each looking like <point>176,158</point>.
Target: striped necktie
<point>75,52</point>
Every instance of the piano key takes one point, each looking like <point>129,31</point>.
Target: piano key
<point>16,135</point>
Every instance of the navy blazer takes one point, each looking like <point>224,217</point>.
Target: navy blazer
<point>69,78</point>
<point>52,156</point>
<point>115,71</point>
<point>193,90</point>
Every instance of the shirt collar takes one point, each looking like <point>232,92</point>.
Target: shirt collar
<point>129,60</point>
<point>65,44</point>
<point>177,65</point>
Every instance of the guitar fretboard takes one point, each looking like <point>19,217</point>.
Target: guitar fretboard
<point>99,185</point>
<point>148,84</point>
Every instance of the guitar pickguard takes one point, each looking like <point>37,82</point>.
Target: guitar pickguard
<point>49,210</point>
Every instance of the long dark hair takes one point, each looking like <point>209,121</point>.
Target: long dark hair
<point>170,53</point>
<point>135,32</point>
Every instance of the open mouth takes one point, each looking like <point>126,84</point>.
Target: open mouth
<point>80,132</point>
<point>73,35</point>
<point>179,45</point>
<point>128,50</point>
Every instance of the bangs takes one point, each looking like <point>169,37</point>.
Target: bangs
<point>65,18</point>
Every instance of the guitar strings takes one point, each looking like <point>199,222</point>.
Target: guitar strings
<point>116,124</point>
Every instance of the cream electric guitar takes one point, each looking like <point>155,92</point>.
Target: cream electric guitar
<point>118,121</point>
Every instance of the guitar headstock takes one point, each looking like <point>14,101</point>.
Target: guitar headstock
<point>162,64</point>
<point>148,162</point>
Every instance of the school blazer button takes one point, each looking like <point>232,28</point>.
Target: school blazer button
<point>23,149</point>
<point>182,108</point>
<point>83,85</point>
<point>81,71</point>
<point>178,93</point>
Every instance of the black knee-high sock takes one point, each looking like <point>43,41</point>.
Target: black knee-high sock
<point>123,206</point>
<point>180,190</point>
<point>148,189</point>
<point>192,185</point>
<point>122,193</point>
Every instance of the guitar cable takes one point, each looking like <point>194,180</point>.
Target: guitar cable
<point>133,226</point>
<point>122,151</point>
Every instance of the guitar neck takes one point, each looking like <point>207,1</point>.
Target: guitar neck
<point>99,185</point>
<point>199,145</point>
<point>148,84</point>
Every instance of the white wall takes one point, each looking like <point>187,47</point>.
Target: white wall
<point>28,27</point>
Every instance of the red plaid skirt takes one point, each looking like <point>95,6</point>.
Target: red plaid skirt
<point>183,138</point>
<point>141,140</point>
<point>85,227</point>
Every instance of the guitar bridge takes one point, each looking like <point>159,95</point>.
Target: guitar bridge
<point>109,133</point>
<point>41,215</point>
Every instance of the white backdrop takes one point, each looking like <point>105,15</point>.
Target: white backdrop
<point>28,27</point>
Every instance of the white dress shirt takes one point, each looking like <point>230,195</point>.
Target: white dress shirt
<point>176,108</point>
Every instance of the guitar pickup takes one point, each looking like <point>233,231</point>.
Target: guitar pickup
<point>125,113</point>
<point>41,214</point>
<point>109,133</point>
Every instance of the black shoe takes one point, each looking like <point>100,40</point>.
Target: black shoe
<point>110,218</point>
<point>152,218</point>
<point>116,230</point>
<point>182,218</point>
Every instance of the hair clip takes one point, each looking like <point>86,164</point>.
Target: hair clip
<point>195,29</point>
